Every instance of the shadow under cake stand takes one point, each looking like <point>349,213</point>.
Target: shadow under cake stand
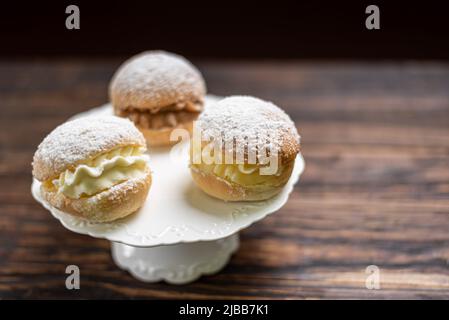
<point>180,233</point>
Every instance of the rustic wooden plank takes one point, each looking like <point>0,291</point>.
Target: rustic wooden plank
<point>375,189</point>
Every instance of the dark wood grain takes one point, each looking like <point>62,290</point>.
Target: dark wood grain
<point>375,189</point>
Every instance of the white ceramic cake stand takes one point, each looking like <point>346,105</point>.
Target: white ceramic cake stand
<point>180,233</point>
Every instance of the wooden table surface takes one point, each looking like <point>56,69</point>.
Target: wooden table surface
<point>375,191</point>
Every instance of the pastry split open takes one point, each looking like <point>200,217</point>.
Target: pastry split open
<point>94,168</point>
<point>158,91</point>
<point>243,149</point>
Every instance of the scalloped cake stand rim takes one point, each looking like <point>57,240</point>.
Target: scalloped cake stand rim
<point>120,239</point>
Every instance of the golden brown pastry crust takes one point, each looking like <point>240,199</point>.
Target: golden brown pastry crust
<point>220,188</point>
<point>111,204</point>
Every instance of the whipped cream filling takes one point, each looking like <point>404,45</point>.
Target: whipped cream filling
<point>102,173</point>
<point>243,174</point>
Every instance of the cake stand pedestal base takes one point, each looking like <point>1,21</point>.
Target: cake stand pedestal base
<point>177,264</point>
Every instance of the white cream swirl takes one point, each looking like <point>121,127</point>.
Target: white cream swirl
<point>102,173</point>
<point>243,174</point>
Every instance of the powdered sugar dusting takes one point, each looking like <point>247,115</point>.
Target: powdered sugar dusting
<point>117,192</point>
<point>250,122</point>
<point>153,78</point>
<point>80,140</point>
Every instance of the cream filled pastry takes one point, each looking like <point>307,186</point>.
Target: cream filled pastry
<point>245,149</point>
<point>158,91</point>
<point>94,168</point>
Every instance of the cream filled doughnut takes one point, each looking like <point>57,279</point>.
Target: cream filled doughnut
<point>94,168</point>
<point>158,91</point>
<point>243,149</point>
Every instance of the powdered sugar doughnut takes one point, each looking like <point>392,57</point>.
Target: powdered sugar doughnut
<point>94,168</point>
<point>158,91</point>
<point>257,146</point>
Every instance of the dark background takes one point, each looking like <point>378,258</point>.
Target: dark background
<point>227,29</point>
